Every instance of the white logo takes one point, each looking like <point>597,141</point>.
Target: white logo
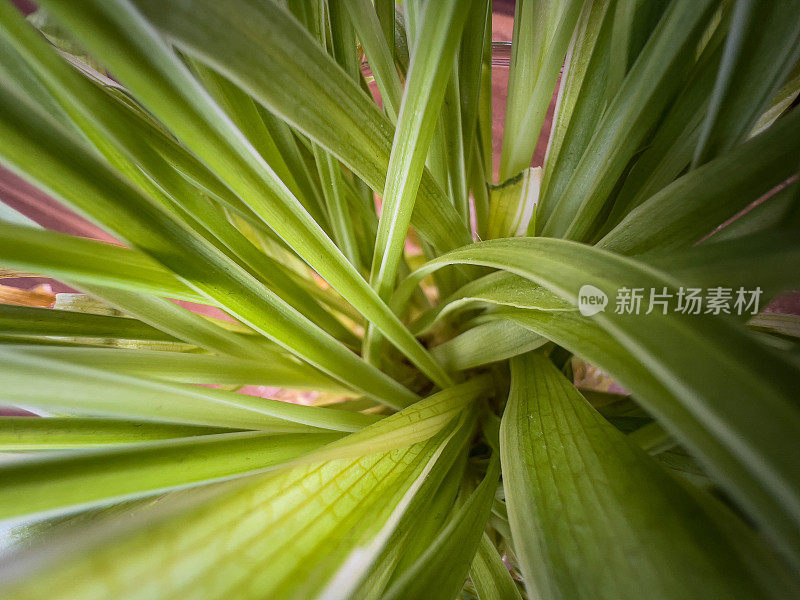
<point>591,300</point>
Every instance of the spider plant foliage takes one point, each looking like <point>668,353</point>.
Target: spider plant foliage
<point>443,426</point>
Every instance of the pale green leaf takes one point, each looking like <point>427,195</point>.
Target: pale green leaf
<point>486,343</point>
<point>782,101</point>
<point>542,32</point>
<point>430,69</point>
<point>259,538</point>
<point>48,484</point>
<point>583,501</point>
<point>512,204</point>
<point>440,571</point>
<point>781,324</point>
<point>44,322</point>
<point>271,369</point>
<point>502,289</point>
<point>88,390</point>
<point>27,433</point>
<point>490,575</point>
<point>88,261</point>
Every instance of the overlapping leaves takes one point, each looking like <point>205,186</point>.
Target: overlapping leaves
<point>235,149</point>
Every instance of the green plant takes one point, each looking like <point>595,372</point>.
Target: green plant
<point>235,152</point>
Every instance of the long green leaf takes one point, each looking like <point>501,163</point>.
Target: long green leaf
<point>451,122</point>
<point>584,338</point>
<point>430,69</point>
<point>417,423</point>
<point>379,53</point>
<point>428,74</point>
<point>52,156</point>
<point>501,289</point>
<point>490,575</point>
<point>670,150</point>
<point>440,572</point>
<point>649,86</point>
<point>415,534</point>
<point>271,369</point>
<point>142,60</point>
<point>542,32</point>
<point>156,318</point>
<point>118,133</point>
<point>583,501</point>
<point>486,343</point>
<point>580,104</point>
<point>769,261</point>
<point>693,205</point>
<point>264,55</point>
<point>283,520</point>
<point>215,335</point>
<point>768,215</point>
<point>64,481</point>
<point>14,67</point>
<point>91,478</point>
<point>782,101</point>
<point>702,360</point>
<point>762,46</point>
<point>385,10</point>
<point>470,61</point>
<point>333,189</point>
<point>89,261</point>
<point>85,390</point>
<point>248,117</point>
<point>765,261</point>
<point>44,322</point>
<point>27,433</point>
